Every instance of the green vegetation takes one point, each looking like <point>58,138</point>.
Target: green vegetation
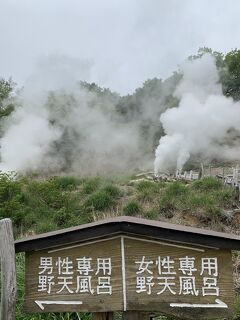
<point>146,190</point>
<point>99,200</point>
<point>39,205</point>
<point>132,208</point>
<point>6,93</point>
<point>207,184</point>
<point>91,185</point>
<point>204,199</point>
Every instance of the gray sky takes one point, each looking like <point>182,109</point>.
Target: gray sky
<point>117,43</point>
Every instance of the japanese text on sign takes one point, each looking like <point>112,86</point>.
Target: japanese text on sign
<point>74,276</point>
<point>167,281</point>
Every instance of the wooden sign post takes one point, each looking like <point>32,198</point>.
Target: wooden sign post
<point>8,271</point>
<point>132,273</point>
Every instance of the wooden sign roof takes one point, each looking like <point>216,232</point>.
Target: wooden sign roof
<point>130,226</point>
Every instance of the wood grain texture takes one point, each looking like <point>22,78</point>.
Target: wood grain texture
<point>136,249</point>
<point>149,300</point>
<point>90,302</point>
<point>8,270</point>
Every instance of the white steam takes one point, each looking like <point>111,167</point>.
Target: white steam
<point>59,126</point>
<point>62,126</point>
<point>205,123</point>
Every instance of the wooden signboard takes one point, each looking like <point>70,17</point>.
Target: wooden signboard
<point>125,273</point>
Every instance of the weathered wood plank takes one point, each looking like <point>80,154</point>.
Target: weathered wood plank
<point>8,269</point>
<point>92,301</point>
<point>157,297</point>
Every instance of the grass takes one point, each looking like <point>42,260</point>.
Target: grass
<point>99,200</point>
<point>206,199</point>
<point>91,185</point>
<point>37,206</point>
<point>112,190</point>
<point>237,308</point>
<point>147,190</point>
<point>132,208</point>
<point>207,184</point>
<point>58,202</point>
<point>66,183</point>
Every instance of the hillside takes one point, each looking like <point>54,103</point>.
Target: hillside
<point>39,205</point>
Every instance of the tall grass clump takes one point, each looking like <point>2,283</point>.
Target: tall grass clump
<point>112,190</point>
<point>90,185</point>
<point>173,197</point>
<point>66,182</point>
<point>147,190</point>
<point>99,200</point>
<point>206,199</point>
<point>132,208</point>
<point>207,184</point>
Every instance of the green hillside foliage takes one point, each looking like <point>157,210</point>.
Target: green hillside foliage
<point>41,205</point>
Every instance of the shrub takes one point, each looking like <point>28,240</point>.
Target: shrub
<point>213,211</point>
<point>174,197</point>
<point>194,201</point>
<point>45,225</point>
<point>112,190</point>
<point>151,214</point>
<point>167,203</point>
<point>225,196</point>
<point>176,189</point>
<point>145,185</point>
<point>99,200</point>
<point>9,188</point>
<point>65,183</point>
<point>131,208</point>
<point>43,193</point>
<point>147,190</point>
<point>207,184</point>
<point>63,218</point>
<point>91,185</point>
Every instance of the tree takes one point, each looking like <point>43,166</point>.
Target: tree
<point>6,94</point>
<point>231,78</point>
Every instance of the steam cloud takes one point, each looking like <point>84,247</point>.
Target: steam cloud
<point>61,127</point>
<point>206,123</point>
